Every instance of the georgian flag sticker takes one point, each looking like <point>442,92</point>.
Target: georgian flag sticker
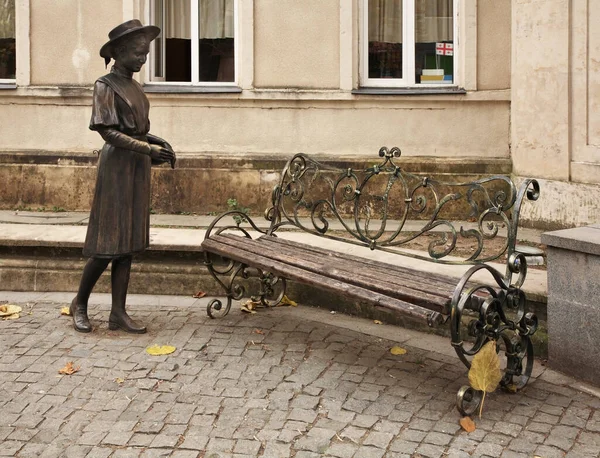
<point>444,49</point>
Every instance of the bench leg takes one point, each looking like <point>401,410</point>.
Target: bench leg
<point>271,288</point>
<point>482,313</point>
<point>226,276</point>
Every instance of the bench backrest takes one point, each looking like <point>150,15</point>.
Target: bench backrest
<point>386,208</point>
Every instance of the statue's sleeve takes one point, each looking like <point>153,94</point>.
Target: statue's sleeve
<point>104,111</point>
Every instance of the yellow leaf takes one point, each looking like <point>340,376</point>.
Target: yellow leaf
<point>287,301</point>
<point>119,380</point>
<point>467,424</point>
<point>377,322</point>
<point>156,350</point>
<point>69,369</point>
<point>397,351</point>
<point>485,373</point>
<point>511,388</point>
<point>14,316</point>
<point>9,309</point>
<point>65,311</point>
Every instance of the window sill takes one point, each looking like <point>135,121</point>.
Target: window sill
<point>7,86</point>
<point>409,91</point>
<point>176,89</point>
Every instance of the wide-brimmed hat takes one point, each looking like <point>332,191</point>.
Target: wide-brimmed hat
<point>123,30</point>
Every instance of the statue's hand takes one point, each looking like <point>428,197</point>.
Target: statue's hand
<point>160,154</point>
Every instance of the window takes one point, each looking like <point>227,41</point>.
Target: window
<point>7,41</point>
<point>197,42</point>
<point>408,43</point>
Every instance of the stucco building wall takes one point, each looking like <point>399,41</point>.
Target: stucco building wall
<point>555,112</point>
<point>531,80</point>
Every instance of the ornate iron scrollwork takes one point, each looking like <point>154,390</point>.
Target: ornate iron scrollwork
<point>230,274</point>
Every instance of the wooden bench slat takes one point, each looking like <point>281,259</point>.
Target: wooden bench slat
<point>372,263</point>
<point>377,271</point>
<point>294,273</point>
<point>359,277</point>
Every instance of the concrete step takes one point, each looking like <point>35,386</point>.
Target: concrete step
<point>47,257</point>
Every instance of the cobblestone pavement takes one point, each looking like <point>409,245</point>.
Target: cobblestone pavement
<point>287,382</point>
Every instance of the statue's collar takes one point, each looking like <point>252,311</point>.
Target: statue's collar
<point>121,72</point>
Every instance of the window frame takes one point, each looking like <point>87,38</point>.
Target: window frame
<point>11,82</point>
<point>408,52</point>
<point>194,83</point>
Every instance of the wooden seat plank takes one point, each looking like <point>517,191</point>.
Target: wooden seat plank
<point>372,263</point>
<point>422,281</point>
<point>295,273</point>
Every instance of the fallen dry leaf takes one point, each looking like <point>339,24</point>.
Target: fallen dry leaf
<point>485,373</point>
<point>156,350</point>
<point>467,424</point>
<point>65,311</point>
<point>199,294</point>
<point>258,331</point>
<point>287,301</point>
<point>250,305</point>
<point>397,351</point>
<point>9,309</point>
<point>119,380</point>
<point>511,388</point>
<point>69,369</point>
<point>14,316</point>
<point>377,322</point>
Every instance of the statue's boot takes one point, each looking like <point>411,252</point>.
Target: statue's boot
<point>119,319</point>
<point>78,311</point>
<point>79,305</point>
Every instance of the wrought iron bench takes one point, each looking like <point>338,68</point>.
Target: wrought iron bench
<point>373,208</point>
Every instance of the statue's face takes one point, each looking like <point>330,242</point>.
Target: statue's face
<point>133,54</point>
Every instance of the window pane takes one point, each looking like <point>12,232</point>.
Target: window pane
<point>385,38</point>
<point>178,40</point>
<point>7,39</point>
<point>217,40</point>
<point>434,42</point>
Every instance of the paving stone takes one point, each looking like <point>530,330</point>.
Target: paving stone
<point>547,451</point>
<point>378,439</point>
<point>342,449</point>
<point>412,435</point>
<point>536,427</point>
<point>404,446</point>
<point>184,454</point>
<point>430,451</point>
<point>305,415</point>
<point>312,443</point>
<point>10,448</point>
<point>522,445</point>
<point>581,451</point>
<point>365,421</point>
<point>487,449</point>
<point>369,452</point>
<point>279,450</point>
<point>220,445</point>
<point>92,438</point>
<point>511,454</point>
<point>127,453</point>
<point>194,442</point>
<point>353,433</point>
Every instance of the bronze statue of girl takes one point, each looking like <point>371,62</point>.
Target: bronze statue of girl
<point>120,217</point>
